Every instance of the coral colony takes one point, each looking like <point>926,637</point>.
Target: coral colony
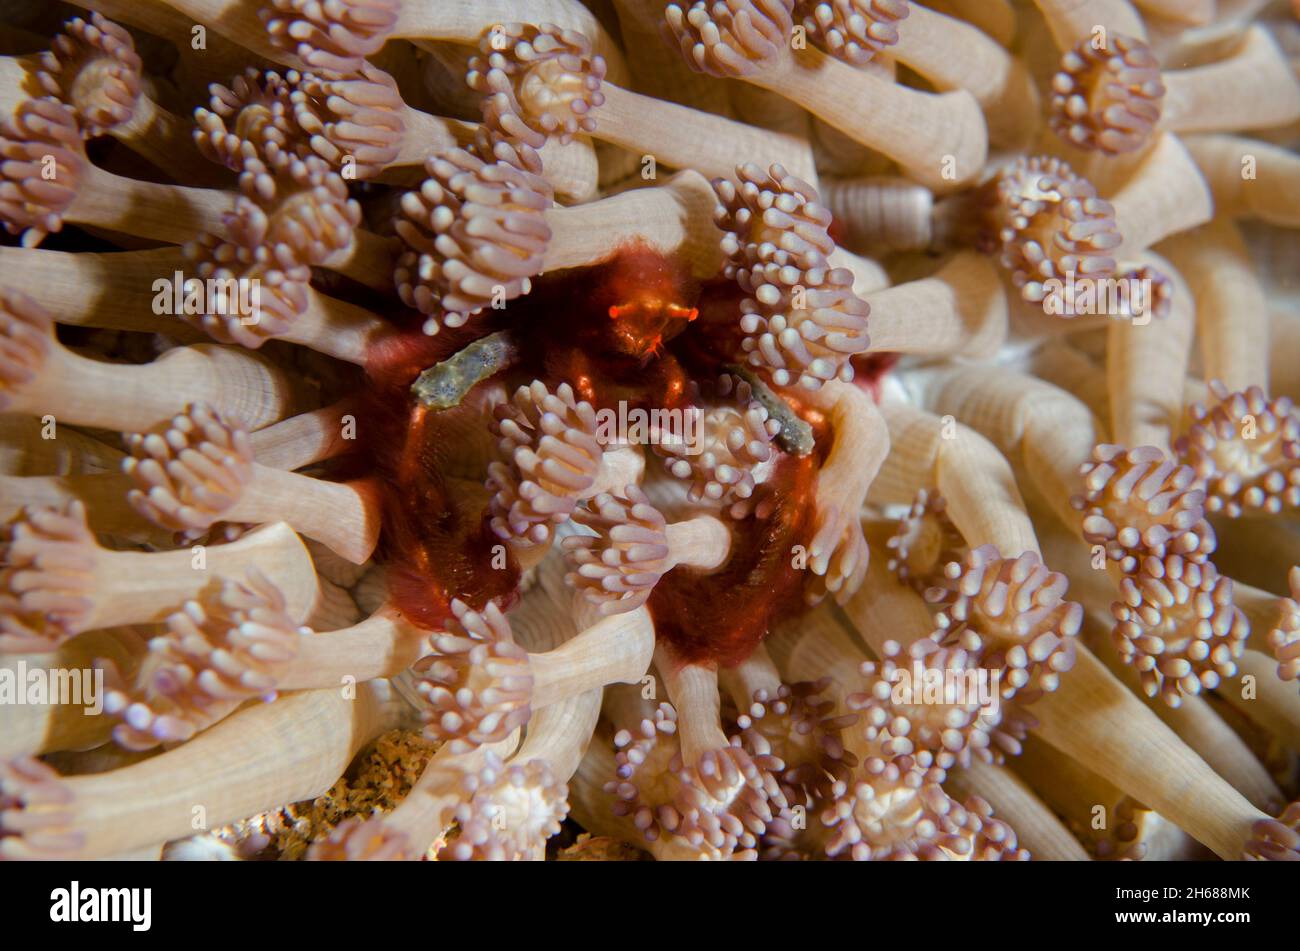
<point>615,430</point>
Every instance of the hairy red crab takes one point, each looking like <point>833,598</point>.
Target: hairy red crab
<point>637,329</point>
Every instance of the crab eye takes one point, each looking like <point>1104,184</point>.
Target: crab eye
<point>676,311</point>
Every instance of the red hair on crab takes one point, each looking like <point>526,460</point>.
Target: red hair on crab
<point>722,617</point>
<point>436,543</point>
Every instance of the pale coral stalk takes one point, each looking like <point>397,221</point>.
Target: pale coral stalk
<point>837,553</point>
<point>555,86</point>
<point>868,274</point>
<point>973,477</point>
<point>1197,725</point>
<point>885,610</point>
<point>818,645</point>
<point>756,673</point>
<point>1037,827</point>
<point>997,18</point>
<point>307,438</point>
<point>102,494</point>
<point>915,129</point>
<point>70,287</point>
<point>559,733</point>
<point>199,470</point>
<point>1145,368</point>
<point>18,84</point>
<point>1232,315</point>
<point>336,37</point>
<point>1177,43</point>
<point>693,689</point>
<point>1074,20</point>
<point>383,645</point>
<point>1164,195</point>
<point>1187,12</point>
<point>961,309</point>
<point>888,213</point>
<point>1249,178</point>
<point>239,384</point>
<point>939,139</point>
<point>1114,825</point>
<point>1253,88</point>
<point>1096,720</point>
<point>615,649</point>
<point>163,138</point>
<point>61,582</point>
<point>170,213</point>
<point>116,291</point>
<point>1274,704</point>
<point>303,743</point>
<point>1074,372</point>
<point>675,218</point>
<point>39,375</point>
<point>681,137</point>
<point>24,450</point>
<point>952,54</point>
<point>1013,411</point>
<point>47,727</point>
